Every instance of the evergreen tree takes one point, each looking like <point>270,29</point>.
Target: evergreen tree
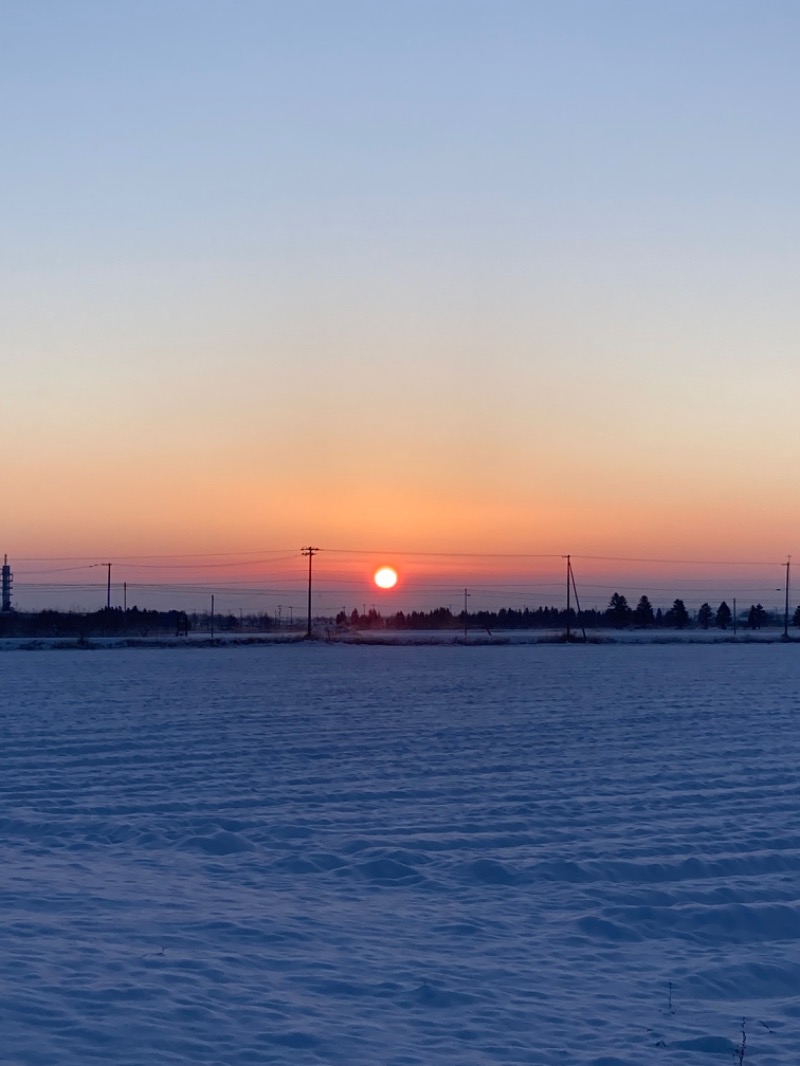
<point>618,612</point>
<point>677,615</point>
<point>724,616</point>
<point>643,615</point>
<point>704,615</point>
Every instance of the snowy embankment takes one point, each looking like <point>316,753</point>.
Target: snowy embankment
<point>553,636</point>
<point>322,854</point>
<point>348,635</point>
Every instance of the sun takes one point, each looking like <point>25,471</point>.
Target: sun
<point>385,578</point>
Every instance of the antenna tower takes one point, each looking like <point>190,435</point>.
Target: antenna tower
<point>8,580</point>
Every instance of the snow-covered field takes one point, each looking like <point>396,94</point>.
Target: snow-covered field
<point>396,856</point>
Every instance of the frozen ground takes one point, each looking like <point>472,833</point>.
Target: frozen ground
<point>323,854</point>
<point>475,637</point>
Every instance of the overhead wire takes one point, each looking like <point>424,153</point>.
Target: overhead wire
<point>268,573</point>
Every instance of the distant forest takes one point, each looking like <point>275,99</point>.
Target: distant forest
<point>106,622</point>
<point>133,622</point>
<point>618,615</point>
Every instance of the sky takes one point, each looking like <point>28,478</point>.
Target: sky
<point>445,278</point>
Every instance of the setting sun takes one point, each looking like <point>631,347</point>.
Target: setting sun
<point>385,578</point>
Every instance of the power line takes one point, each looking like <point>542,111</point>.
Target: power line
<point>58,569</point>
<point>443,555</point>
<point>183,555</point>
<point>677,562</point>
<point>292,552</point>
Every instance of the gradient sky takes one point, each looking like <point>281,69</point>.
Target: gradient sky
<point>424,275</point>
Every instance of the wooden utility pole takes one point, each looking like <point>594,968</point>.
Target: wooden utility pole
<point>108,587</point>
<point>569,582</point>
<point>466,616</point>
<point>310,552</point>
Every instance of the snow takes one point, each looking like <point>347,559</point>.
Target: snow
<point>391,856</point>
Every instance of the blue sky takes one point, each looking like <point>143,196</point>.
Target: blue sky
<point>507,273</point>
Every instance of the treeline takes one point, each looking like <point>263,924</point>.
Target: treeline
<point>133,622</point>
<point>108,622</point>
<point>618,615</point>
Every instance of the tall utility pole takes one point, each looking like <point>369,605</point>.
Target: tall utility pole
<point>310,552</point>
<point>569,575</point>
<point>466,616</point>
<point>787,564</point>
<point>212,615</point>
<point>108,587</point>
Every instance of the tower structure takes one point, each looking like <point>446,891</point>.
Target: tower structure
<point>7,580</point>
